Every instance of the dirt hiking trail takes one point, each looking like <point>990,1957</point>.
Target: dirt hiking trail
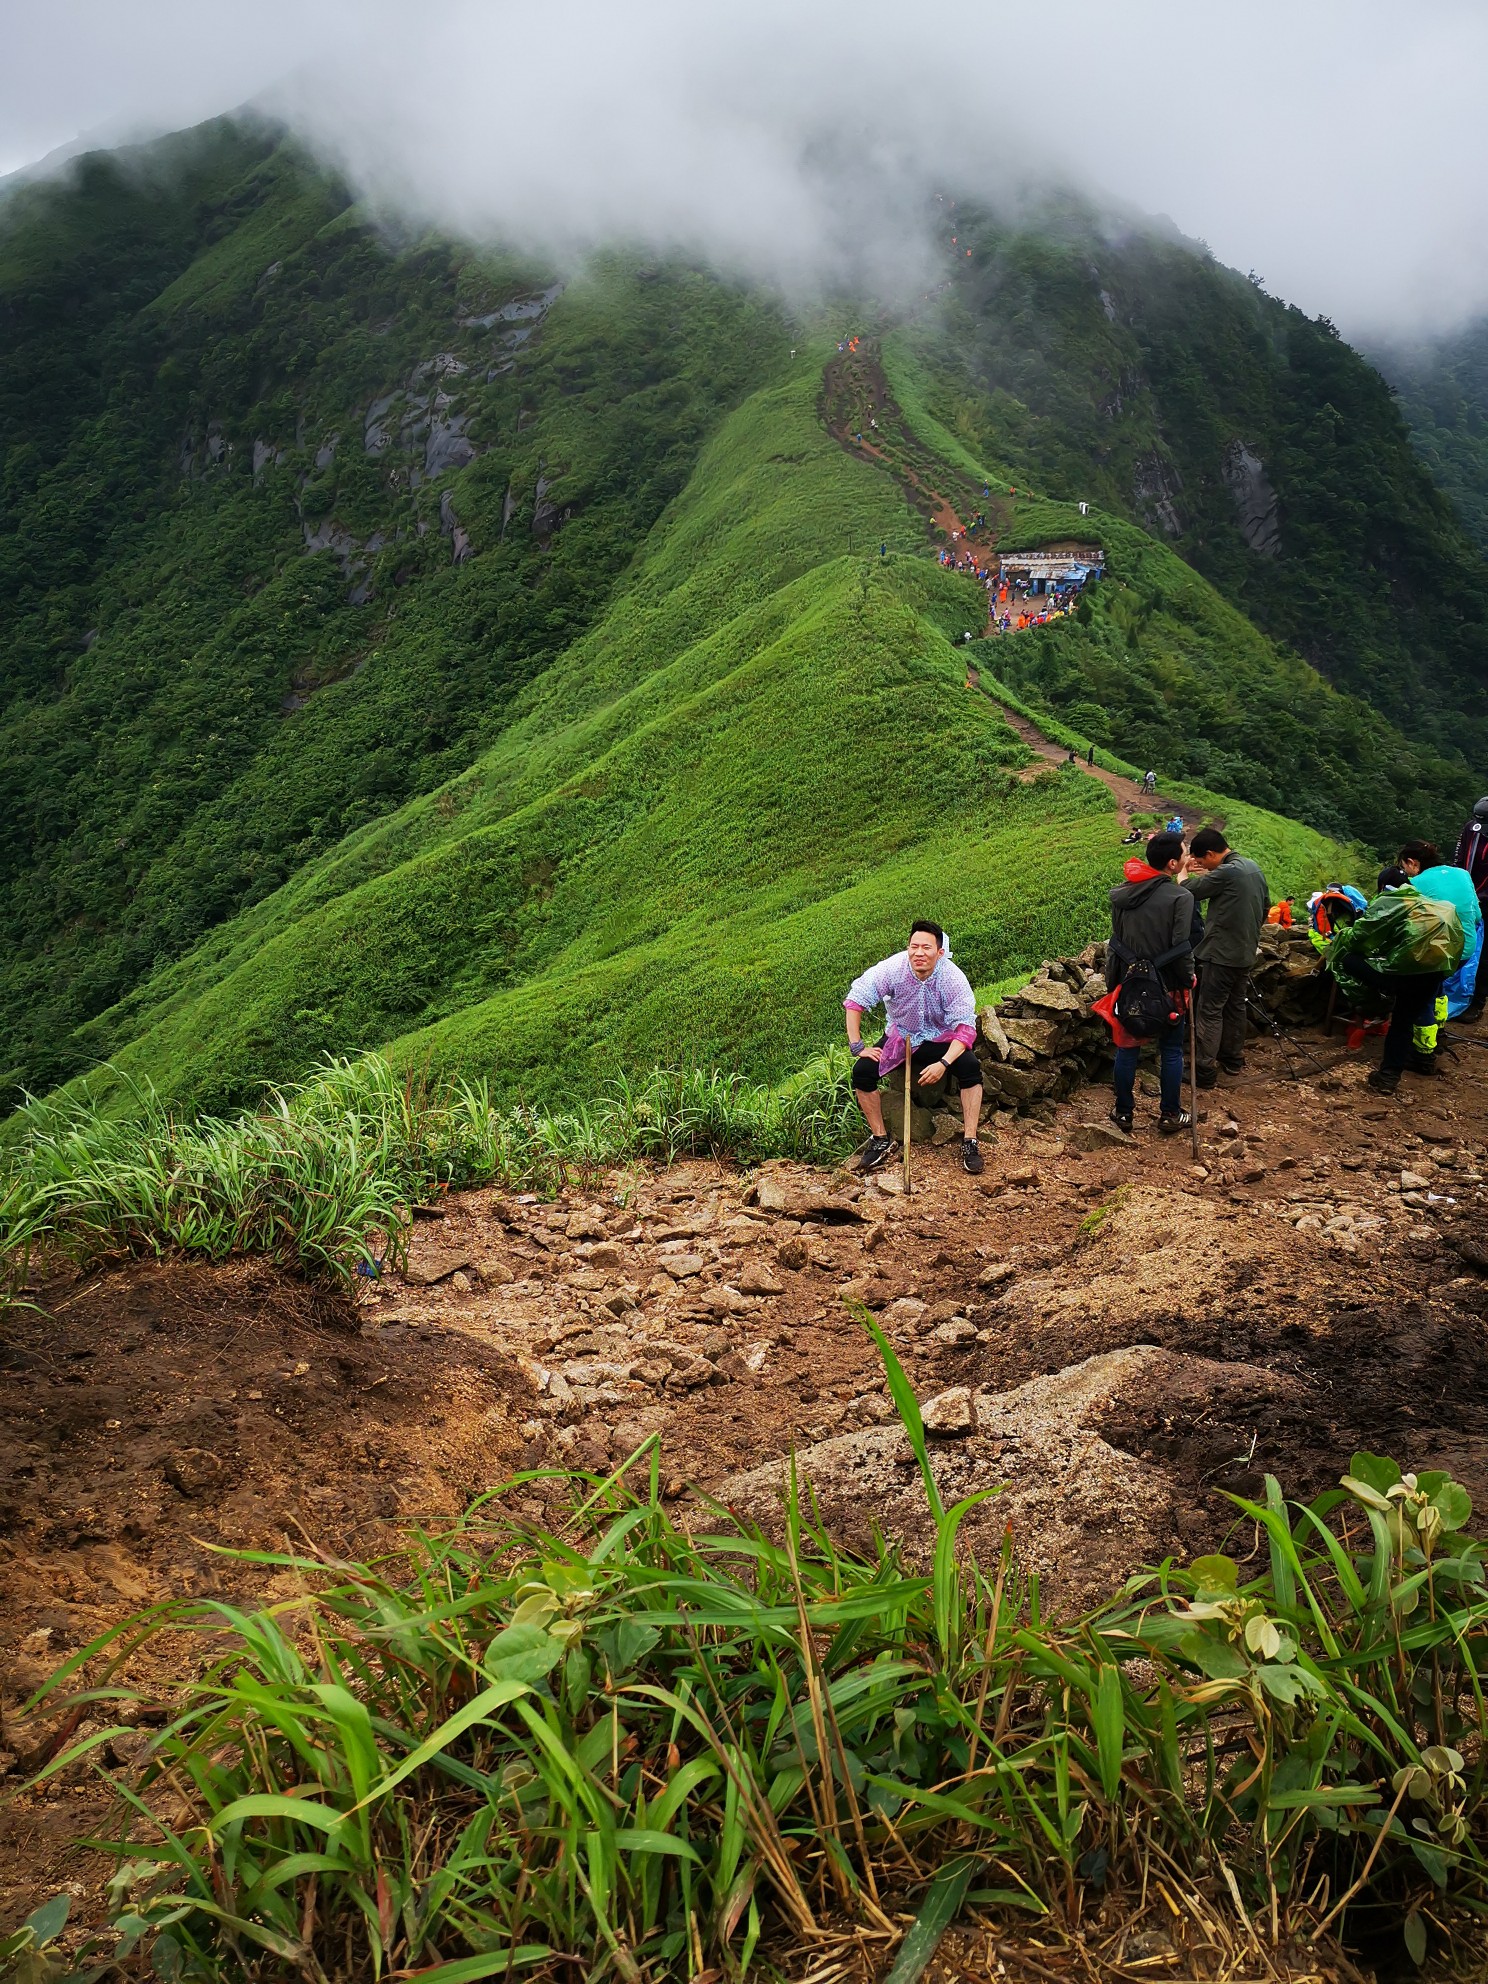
<point>858,411</point>
<point>1113,1335</point>
<point>861,414</point>
<point>1127,793</point>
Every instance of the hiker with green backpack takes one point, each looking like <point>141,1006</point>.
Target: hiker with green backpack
<point>1396,957</point>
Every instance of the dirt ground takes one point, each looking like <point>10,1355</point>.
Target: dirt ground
<point>1114,1334</point>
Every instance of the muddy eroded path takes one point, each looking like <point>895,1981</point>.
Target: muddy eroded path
<point>1114,1336</point>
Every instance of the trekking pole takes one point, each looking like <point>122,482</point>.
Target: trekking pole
<point>908,1115</point>
<point>1193,1074</point>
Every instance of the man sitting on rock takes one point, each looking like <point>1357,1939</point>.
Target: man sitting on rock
<point>928,1003</point>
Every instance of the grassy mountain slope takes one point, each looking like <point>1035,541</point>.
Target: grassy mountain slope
<point>506,669</point>
<point>1166,672</point>
<point>1443,394</point>
<point>197,700</point>
<point>703,819</point>
<point>1132,369</point>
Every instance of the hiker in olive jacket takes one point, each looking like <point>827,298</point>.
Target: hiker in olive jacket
<point>1239,901</point>
<point>1151,917</point>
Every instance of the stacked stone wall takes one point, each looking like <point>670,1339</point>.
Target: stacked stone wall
<point>1043,1042</point>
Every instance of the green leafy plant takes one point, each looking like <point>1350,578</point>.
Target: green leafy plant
<point>658,1747</point>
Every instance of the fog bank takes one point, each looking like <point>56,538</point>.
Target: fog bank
<point>1335,149</point>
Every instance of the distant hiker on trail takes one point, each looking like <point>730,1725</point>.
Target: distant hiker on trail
<point>1090,757</point>
<point>1149,785</point>
<point>1239,901</point>
<point>928,1002</point>
<point>1149,968</point>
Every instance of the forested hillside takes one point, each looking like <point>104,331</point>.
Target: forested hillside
<point>1128,367</point>
<point>240,615</point>
<point>1443,392</point>
<point>404,644</point>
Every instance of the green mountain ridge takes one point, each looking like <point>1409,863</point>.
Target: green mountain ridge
<point>1442,385</point>
<point>420,648</point>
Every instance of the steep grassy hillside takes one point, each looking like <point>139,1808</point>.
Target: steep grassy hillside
<point>702,819</point>
<point>290,513</point>
<point>1119,365</point>
<point>1443,393</point>
<point>1165,672</point>
<point>412,647</point>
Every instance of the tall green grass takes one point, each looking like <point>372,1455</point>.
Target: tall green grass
<point>324,1176</point>
<point>647,1751</point>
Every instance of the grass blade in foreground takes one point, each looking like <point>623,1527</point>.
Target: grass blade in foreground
<point>658,1752</point>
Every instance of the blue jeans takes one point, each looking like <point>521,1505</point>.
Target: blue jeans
<point>1169,1044</point>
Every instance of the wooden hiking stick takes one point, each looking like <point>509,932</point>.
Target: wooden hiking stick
<point>1193,1070</point>
<point>908,1112</point>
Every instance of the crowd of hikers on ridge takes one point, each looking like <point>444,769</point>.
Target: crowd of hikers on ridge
<point>1014,603</point>
<point>1186,922</point>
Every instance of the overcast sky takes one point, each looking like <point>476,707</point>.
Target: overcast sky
<point>1337,147</point>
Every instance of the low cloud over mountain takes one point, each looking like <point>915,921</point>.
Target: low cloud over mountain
<point>1336,149</point>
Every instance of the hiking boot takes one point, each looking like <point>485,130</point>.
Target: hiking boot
<point>1122,1122</point>
<point>1169,1126</point>
<point>971,1157</point>
<point>1206,1077</point>
<point>1384,1081</point>
<point>1473,1013</point>
<point>1233,1067</point>
<point>1422,1064</point>
<point>875,1153</point>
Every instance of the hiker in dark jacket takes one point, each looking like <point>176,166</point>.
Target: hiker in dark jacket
<point>1239,901</point>
<point>1152,918</point>
<point>1472,854</point>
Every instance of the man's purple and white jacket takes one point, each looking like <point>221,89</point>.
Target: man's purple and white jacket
<point>940,1007</point>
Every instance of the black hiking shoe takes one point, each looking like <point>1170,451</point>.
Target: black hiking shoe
<point>1233,1067</point>
<point>1122,1122</point>
<point>1423,1064</point>
<point>875,1153</point>
<point>971,1157</point>
<point>1384,1081</point>
<point>1206,1078</point>
<point>1171,1125</point>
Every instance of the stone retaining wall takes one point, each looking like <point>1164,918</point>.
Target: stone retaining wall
<point>1041,1044</point>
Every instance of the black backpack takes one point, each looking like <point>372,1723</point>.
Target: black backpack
<point>1144,1005</point>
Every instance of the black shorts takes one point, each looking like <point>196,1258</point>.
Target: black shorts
<point>964,1072</point>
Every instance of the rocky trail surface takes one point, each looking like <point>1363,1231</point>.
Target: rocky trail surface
<point>1113,1335</point>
